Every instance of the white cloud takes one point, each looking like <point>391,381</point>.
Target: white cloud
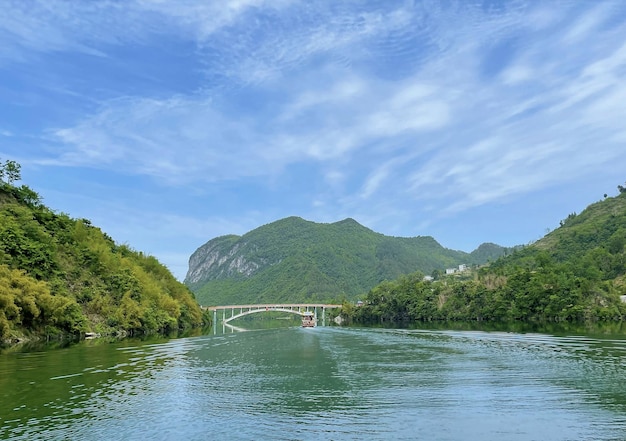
<point>176,139</point>
<point>517,74</point>
<point>386,97</point>
<point>375,180</point>
<point>588,23</point>
<point>187,138</point>
<point>60,26</point>
<point>540,126</point>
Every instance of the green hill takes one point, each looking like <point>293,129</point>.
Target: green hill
<point>576,272</point>
<point>297,260</point>
<point>61,276</point>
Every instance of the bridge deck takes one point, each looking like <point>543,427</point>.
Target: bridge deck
<point>272,306</point>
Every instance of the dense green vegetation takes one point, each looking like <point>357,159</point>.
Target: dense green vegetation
<point>576,273</point>
<point>62,276</point>
<point>296,260</point>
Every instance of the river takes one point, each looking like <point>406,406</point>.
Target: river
<point>326,383</point>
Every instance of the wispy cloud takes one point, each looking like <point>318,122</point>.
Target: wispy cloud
<point>446,106</point>
<point>328,112</point>
<point>198,138</point>
<point>30,28</point>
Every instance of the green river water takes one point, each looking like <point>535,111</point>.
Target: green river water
<point>326,383</point>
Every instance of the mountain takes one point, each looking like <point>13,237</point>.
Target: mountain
<point>488,252</point>
<point>298,260</point>
<point>588,242</point>
<point>61,276</point>
<point>575,273</point>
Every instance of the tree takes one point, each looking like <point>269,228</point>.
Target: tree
<point>11,171</point>
<point>436,274</point>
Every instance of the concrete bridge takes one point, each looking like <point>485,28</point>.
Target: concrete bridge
<point>232,312</point>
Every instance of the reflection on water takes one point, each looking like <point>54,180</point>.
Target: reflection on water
<point>323,383</point>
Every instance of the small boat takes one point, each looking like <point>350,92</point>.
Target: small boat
<point>308,320</point>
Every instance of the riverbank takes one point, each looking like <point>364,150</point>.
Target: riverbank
<point>38,342</point>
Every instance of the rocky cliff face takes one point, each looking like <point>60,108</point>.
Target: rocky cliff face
<point>221,258</point>
<point>238,257</point>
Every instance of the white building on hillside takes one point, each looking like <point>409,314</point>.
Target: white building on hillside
<point>460,269</point>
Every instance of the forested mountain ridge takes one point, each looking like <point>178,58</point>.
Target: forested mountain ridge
<point>60,276</point>
<point>576,272</point>
<point>293,259</point>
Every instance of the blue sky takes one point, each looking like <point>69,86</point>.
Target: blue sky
<point>168,123</point>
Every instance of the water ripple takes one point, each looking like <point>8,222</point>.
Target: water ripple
<point>330,383</point>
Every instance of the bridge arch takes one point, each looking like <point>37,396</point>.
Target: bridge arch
<point>265,309</point>
<point>232,312</point>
